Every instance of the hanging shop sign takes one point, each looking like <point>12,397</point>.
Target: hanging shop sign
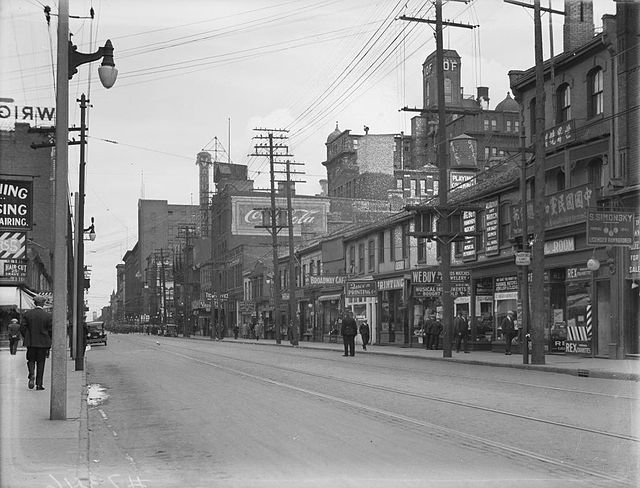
<point>16,204</point>
<point>610,228</point>
<point>469,244</point>
<point>12,245</point>
<point>632,264</point>
<point>361,289</point>
<point>13,270</point>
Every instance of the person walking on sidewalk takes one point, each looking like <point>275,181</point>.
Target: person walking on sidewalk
<point>461,331</point>
<point>14,336</point>
<point>349,330</point>
<point>508,326</point>
<point>433,330</point>
<point>36,331</point>
<point>365,332</point>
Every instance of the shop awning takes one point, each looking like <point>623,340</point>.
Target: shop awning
<point>15,297</point>
<point>329,298</point>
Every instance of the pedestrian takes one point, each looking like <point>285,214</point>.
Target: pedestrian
<point>349,330</point>
<point>432,330</point>
<point>14,336</point>
<point>259,329</point>
<point>365,332</point>
<point>219,331</point>
<point>508,326</point>
<point>292,334</point>
<point>236,330</point>
<point>461,331</point>
<point>36,330</point>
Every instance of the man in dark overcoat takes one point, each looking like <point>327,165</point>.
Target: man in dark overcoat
<point>508,326</point>
<point>461,331</point>
<point>349,330</point>
<point>36,330</point>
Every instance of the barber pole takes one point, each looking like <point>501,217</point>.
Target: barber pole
<point>589,321</point>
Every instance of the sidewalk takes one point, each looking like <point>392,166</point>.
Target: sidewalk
<point>619,369</point>
<point>34,450</point>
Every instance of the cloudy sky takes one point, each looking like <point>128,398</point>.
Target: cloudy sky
<point>191,71</point>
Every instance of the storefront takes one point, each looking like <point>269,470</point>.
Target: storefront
<point>360,298</point>
<point>327,307</point>
<point>393,324</point>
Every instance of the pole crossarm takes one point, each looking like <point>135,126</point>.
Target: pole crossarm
<point>544,9</point>
<point>444,22</point>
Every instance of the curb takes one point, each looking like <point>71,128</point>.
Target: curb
<point>579,372</point>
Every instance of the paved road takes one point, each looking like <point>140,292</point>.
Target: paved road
<point>190,413</point>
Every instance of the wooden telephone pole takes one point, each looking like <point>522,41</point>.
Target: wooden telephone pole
<point>444,234</point>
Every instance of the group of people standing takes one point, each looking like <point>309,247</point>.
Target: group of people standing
<point>349,330</point>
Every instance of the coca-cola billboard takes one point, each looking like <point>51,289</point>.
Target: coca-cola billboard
<point>309,214</point>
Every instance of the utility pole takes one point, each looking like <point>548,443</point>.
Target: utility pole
<point>293,317</point>
<point>443,235</point>
<point>537,302</point>
<point>79,329</point>
<point>273,226</point>
<point>524,282</point>
<point>58,402</point>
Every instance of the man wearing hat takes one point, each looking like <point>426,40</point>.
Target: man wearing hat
<point>508,330</point>
<point>14,336</point>
<point>36,332</point>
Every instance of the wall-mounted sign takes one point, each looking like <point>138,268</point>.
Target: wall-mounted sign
<point>610,228</point>
<point>559,246</point>
<point>390,284</point>
<point>315,280</point>
<point>16,204</point>
<point>560,135</point>
<point>12,245</point>
<point>13,270</point>
<point>9,110</point>
<point>361,289</point>
<point>469,245</point>
<point>308,214</point>
<point>632,265</point>
<point>492,243</point>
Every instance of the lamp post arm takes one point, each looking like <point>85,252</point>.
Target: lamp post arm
<point>77,58</point>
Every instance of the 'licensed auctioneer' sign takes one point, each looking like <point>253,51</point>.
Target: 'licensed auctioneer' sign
<point>16,204</point>
<point>610,228</point>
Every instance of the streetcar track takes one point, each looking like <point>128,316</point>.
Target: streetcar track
<point>498,446</point>
<point>432,398</point>
<point>471,378</point>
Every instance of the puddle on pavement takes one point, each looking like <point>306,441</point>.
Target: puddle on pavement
<point>96,395</point>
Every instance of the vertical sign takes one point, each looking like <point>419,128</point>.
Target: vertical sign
<point>492,245</point>
<point>469,246</point>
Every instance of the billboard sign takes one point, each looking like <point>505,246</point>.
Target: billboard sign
<point>308,214</point>
<point>16,204</point>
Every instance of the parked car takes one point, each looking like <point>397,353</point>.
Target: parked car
<point>96,333</point>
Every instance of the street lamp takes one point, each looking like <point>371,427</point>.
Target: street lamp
<point>68,60</point>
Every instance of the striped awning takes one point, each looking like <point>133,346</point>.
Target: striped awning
<point>16,297</point>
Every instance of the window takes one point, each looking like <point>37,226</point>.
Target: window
<point>311,268</point>
<point>508,126</point>
<point>422,250</point>
<point>448,94</point>
<point>595,91</point>
<point>372,254</point>
<point>381,247</point>
<point>404,240</point>
<point>304,274</point>
<point>532,118</point>
<point>494,151</point>
<point>423,187</point>
<point>494,124</point>
<point>487,152</point>
<point>486,124</point>
<point>516,126</point>
<point>595,173</point>
<point>399,184</point>
<point>352,258</point>
<point>361,257</point>
<point>563,103</point>
<point>505,223</point>
<point>392,244</point>
<point>414,185</point>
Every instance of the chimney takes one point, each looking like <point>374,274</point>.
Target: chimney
<point>483,96</point>
<point>324,188</point>
<point>578,23</point>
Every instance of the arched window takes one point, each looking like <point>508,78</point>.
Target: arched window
<point>563,103</point>
<point>595,92</point>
